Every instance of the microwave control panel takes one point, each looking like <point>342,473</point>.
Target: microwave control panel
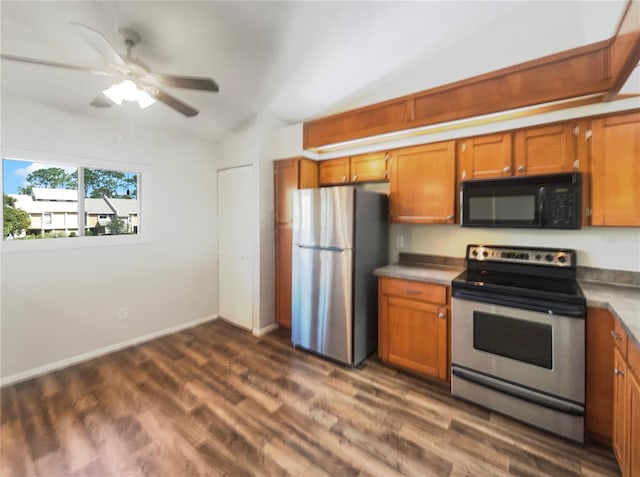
<point>562,206</point>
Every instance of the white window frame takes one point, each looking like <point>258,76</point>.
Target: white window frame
<point>144,171</point>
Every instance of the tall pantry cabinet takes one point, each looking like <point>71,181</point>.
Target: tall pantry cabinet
<point>288,176</point>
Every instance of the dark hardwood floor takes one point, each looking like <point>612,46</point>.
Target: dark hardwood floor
<point>214,400</point>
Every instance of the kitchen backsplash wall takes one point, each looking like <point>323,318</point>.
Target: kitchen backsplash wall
<point>599,247</point>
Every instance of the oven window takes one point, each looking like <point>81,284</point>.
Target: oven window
<point>513,338</point>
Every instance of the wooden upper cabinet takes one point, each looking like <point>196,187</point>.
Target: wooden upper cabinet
<point>615,170</point>
<point>335,171</point>
<point>485,157</point>
<point>369,167</point>
<point>544,150</point>
<point>422,183</point>
<point>288,176</point>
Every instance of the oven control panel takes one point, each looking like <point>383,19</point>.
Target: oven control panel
<point>538,256</point>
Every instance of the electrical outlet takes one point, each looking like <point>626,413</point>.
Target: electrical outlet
<point>123,313</point>
<point>400,241</point>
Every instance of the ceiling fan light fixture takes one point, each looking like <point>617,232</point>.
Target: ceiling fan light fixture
<point>145,99</point>
<point>127,90</point>
<point>114,94</point>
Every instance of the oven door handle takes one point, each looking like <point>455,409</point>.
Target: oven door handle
<point>542,306</point>
<point>518,392</point>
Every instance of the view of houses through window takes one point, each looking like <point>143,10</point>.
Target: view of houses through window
<point>52,201</point>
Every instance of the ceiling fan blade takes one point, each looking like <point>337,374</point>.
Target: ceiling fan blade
<point>189,82</point>
<point>99,42</point>
<point>101,101</point>
<point>55,64</point>
<point>175,103</point>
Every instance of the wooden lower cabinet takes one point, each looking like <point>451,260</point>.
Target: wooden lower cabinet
<point>626,404</point>
<point>620,410</point>
<point>413,326</point>
<point>599,384</point>
<point>284,243</point>
<point>289,175</point>
<point>633,406</point>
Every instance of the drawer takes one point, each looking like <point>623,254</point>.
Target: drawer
<point>414,290</point>
<point>620,337</point>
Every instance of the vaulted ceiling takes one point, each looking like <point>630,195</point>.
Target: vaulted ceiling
<point>291,60</point>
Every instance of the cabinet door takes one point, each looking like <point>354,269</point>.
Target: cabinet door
<point>599,384</point>
<point>334,171</point>
<point>633,394</point>
<point>485,156</point>
<point>369,167</point>
<point>422,183</point>
<point>285,176</point>
<point>615,170</point>
<point>417,336</point>
<point>620,424</point>
<point>308,174</point>
<point>283,238</point>
<point>544,150</point>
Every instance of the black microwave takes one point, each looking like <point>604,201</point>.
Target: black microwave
<point>550,201</point>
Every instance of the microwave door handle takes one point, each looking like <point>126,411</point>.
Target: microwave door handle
<point>542,206</point>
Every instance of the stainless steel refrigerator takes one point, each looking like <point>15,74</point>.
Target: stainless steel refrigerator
<point>340,235</point>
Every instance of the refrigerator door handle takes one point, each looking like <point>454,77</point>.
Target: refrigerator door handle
<point>315,247</point>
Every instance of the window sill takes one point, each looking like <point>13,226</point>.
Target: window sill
<point>37,245</point>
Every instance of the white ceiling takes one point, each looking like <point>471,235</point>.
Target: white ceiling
<point>291,60</point>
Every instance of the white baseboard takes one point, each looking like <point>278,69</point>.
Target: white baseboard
<point>64,363</point>
<point>265,330</point>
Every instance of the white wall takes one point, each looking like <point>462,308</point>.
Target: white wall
<point>60,304</point>
<point>251,145</point>
<point>599,247</point>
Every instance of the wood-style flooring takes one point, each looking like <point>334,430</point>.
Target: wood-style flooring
<point>214,400</point>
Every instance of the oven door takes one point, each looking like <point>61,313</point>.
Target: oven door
<point>539,351</point>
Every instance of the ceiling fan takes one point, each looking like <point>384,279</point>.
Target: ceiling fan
<point>134,79</point>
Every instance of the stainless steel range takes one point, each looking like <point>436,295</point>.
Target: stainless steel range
<point>518,336</point>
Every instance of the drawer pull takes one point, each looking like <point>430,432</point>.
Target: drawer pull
<point>616,336</point>
<point>411,291</point>
<point>617,372</point>
<point>441,315</point>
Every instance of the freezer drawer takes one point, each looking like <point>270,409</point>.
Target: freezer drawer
<point>321,318</point>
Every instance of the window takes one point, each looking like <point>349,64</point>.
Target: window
<point>47,200</point>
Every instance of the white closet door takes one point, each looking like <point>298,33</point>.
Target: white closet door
<point>235,247</point>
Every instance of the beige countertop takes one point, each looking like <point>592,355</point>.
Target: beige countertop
<point>623,301</point>
<point>440,274</point>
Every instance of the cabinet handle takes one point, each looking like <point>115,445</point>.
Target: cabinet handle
<point>616,336</point>
<point>617,372</point>
<point>411,291</point>
<point>521,168</point>
<point>344,178</point>
<point>386,174</point>
<point>354,177</point>
<point>449,217</point>
<point>464,174</point>
<point>506,169</point>
<point>441,315</point>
